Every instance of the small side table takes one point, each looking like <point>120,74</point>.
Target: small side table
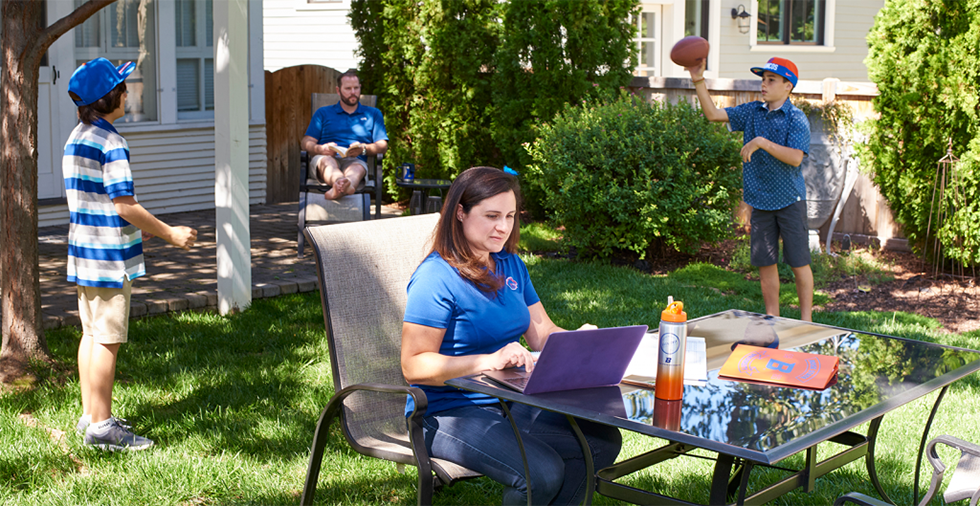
<point>422,201</point>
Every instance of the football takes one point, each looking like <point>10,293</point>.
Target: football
<point>689,51</point>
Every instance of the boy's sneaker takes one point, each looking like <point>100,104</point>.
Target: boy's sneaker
<point>113,436</point>
<point>85,420</point>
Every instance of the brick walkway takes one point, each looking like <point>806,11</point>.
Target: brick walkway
<point>176,279</point>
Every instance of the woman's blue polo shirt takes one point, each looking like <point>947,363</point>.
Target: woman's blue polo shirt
<point>475,322</point>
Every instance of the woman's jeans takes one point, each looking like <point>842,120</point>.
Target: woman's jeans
<point>482,439</point>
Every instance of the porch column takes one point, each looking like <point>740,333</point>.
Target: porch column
<point>231,155</point>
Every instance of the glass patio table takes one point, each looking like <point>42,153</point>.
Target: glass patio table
<point>750,425</point>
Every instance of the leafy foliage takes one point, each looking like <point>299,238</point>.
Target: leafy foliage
<point>621,174</point>
<point>556,52</point>
<point>925,58</point>
<point>462,82</point>
<point>429,63</point>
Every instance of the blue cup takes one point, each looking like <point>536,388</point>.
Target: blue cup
<point>408,171</point>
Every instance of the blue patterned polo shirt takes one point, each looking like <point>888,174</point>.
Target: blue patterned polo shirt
<point>767,183</point>
<point>103,248</point>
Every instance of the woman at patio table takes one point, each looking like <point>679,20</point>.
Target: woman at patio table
<point>469,302</point>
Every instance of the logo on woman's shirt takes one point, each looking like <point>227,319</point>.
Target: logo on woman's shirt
<point>510,283</point>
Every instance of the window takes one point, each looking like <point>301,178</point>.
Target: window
<point>647,43</point>
<point>125,31</point>
<point>195,58</point>
<point>696,18</point>
<point>791,22</point>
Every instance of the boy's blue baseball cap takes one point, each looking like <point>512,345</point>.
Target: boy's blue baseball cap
<point>94,79</point>
<point>779,66</point>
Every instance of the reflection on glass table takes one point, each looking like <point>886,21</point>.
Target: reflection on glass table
<point>750,424</point>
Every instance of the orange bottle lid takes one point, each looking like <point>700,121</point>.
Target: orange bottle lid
<point>674,311</point>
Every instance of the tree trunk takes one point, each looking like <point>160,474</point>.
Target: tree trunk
<point>23,42</point>
<point>23,336</point>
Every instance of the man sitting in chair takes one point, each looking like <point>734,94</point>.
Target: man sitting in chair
<point>341,136</point>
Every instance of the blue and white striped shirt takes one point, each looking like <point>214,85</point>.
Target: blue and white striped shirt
<point>103,249</point>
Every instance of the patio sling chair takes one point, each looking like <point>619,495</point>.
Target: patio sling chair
<point>308,184</point>
<point>363,269</point>
<point>964,484</point>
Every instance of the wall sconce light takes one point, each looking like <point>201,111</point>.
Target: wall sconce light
<point>742,17</point>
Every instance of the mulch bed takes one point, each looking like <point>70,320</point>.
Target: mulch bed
<point>917,289</point>
<point>952,300</point>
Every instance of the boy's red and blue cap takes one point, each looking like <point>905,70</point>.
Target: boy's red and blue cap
<point>779,66</point>
<point>94,79</point>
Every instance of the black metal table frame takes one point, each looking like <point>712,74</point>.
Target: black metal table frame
<point>424,186</point>
<point>726,485</point>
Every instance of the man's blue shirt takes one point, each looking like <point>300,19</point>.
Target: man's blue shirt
<point>767,183</point>
<point>333,124</point>
<point>476,322</point>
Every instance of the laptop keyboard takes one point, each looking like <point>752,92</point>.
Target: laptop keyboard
<point>518,383</point>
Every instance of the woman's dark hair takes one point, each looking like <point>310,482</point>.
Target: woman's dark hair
<point>101,107</point>
<point>469,189</point>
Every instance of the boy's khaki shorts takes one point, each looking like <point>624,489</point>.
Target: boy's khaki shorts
<point>105,312</point>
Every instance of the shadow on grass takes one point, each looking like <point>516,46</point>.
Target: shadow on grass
<point>231,383</point>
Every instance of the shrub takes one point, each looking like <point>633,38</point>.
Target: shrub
<point>622,174</point>
<point>923,57</point>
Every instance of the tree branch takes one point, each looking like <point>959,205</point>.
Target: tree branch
<point>77,17</point>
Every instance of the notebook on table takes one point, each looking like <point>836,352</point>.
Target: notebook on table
<point>576,359</point>
<point>754,364</point>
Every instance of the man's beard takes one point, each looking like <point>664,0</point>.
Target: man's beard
<point>351,100</point>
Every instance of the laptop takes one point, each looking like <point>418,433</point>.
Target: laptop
<point>576,359</point>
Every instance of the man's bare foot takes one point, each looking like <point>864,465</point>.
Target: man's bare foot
<point>342,184</point>
<point>339,189</point>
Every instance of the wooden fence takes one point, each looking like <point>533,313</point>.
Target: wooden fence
<point>287,112</point>
<point>866,216</point>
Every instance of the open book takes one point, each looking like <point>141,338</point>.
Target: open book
<point>642,370</point>
<point>339,149</point>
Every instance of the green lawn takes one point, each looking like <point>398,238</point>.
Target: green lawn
<point>232,402</point>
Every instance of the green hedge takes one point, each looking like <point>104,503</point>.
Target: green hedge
<point>428,64</point>
<point>464,82</point>
<point>624,175</point>
<point>925,59</point>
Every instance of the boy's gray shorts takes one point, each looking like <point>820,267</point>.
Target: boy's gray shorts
<point>788,223</point>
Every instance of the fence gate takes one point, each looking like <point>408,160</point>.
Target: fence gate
<point>287,114</point>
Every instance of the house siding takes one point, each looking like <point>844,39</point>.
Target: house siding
<point>174,171</point>
<point>852,22</point>
<point>296,33</point>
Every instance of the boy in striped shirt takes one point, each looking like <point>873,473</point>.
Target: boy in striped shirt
<point>105,248</point>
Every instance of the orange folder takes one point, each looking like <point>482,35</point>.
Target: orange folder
<point>780,367</point>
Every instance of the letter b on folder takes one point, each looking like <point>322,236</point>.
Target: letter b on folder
<point>783,367</point>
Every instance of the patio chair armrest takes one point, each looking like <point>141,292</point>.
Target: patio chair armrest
<point>860,499</point>
<point>966,476</point>
<point>421,402</point>
<point>952,442</point>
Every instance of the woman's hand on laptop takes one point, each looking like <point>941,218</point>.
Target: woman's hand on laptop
<point>512,355</point>
<point>587,326</point>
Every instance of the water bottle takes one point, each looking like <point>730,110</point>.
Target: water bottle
<point>670,353</point>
